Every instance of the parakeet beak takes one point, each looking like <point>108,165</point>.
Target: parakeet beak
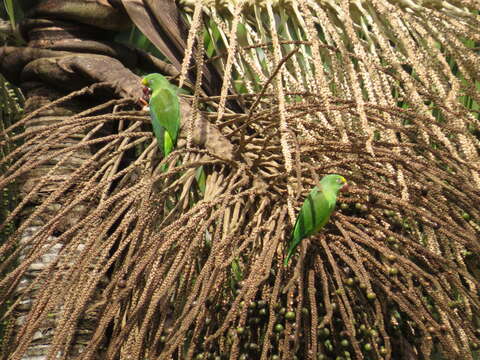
<point>142,103</point>
<point>344,188</point>
<point>146,93</point>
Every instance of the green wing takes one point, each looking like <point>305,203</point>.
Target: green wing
<point>165,111</point>
<point>313,216</point>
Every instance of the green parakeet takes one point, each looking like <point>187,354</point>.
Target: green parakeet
<point>316,210</point>
<point>165,111</point>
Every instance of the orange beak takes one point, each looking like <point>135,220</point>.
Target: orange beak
<point>344,188</point>
<point>141,102</point>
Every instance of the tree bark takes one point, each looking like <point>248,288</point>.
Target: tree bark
<point>46,70</point>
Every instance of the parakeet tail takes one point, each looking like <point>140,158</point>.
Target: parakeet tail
<point>289,255</point>
<point>167,144</point>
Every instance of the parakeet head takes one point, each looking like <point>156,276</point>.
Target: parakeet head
<point>334,182</point>
<point>154,81</point>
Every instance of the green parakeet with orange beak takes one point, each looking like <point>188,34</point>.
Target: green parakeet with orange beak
<point>316,210</point>
<point>164,107</point>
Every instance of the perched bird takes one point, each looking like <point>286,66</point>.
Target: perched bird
<point>164,107</point>
<point>316,210</point>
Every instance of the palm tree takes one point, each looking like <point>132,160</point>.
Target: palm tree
<point>110,257</point>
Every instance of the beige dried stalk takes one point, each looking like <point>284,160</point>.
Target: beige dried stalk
<point>165,269</point>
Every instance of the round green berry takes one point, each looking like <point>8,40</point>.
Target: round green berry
<point>278,328</point>
<point>290,315</point>
<point>466,216</point>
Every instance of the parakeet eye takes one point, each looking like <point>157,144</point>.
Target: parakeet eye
<point>339,181</point>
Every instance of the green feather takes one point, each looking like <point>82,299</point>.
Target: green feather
<point>165,111</point>
<point>315,211</point>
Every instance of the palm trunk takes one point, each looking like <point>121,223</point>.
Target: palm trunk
<point>33,183</point>
<point>30,68</point>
